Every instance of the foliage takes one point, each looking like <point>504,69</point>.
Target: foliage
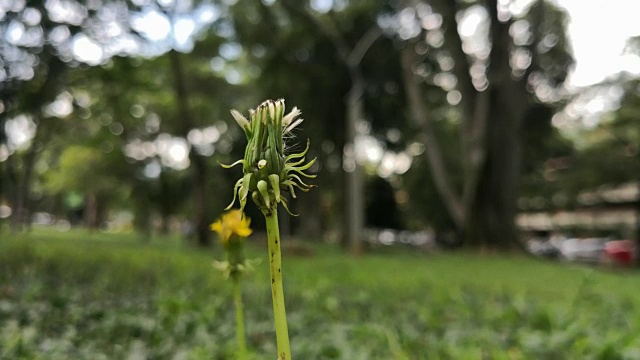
<point>144,100</point>
<point>105,296</point>
<point>611,156</point>
<point>82,168</point>
<point>603,156</point>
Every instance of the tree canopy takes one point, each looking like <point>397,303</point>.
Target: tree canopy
<point>423,114</point>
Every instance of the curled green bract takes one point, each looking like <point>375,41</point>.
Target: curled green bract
<point>267,170</point>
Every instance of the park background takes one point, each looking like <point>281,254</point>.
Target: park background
<point>454,139</point>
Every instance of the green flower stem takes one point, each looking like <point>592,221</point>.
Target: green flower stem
<point>240,335</point>
<point>277,291</point>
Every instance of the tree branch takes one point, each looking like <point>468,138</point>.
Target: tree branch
<point>475,106</point>
<point>461,68</point>
<point>363,45</point>
<point>434,154</point>
<point>329,30</point>
<point>514,93</point>
<point>476,147</point>
<point>538,15</point>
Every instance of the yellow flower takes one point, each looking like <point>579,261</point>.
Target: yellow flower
<point>232,223</point>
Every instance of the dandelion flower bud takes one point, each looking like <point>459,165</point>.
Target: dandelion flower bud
<point>267,170</point>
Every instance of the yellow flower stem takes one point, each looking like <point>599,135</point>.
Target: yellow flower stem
<point>277,291</point>
<point>240,334</point>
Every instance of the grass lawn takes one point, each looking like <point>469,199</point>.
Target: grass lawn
<point>76,295</point>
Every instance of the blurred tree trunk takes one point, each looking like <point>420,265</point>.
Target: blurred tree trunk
<point>491,219</point>
<point>12,177</point>
<point>491,212</point>
<point>198,163</point>
<point>91,211</point>
<point>484,209</point>
<point>22,181</point>
<point>54,69</point>
<point>165,205</point>
<point>4,181</point>
<point>310,225</point>
<point>142,209</point>
<point>201,223</point>
<point>354,209</point>
<point>491,205</point>
<point>22,206</point>
<point>3,188</point>
<point>433,151</point>
<point>351,57</point>
<point>638,216</point>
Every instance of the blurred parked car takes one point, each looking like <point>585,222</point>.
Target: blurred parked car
<point>620,252</point>
<point>587,250</point>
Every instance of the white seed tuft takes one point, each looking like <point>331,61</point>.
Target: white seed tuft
<point>292,126</point>
<point>287,119</point>
<point>241,120</point>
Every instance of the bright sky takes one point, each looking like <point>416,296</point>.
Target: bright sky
<point>599,31</point>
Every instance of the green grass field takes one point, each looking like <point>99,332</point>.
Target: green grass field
<point>98,296</point>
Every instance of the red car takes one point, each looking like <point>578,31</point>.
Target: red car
<point>620,251</point>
